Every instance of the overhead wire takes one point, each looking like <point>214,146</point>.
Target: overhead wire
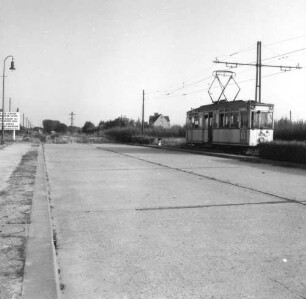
<point>239,82</point>
<point>251,47</point>
<point>172,93</point>
<point>287,53</point>
<point>285,40</point>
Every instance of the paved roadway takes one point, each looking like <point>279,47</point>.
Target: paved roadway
<point>136,222</point>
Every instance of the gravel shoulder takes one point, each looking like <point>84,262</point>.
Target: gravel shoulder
<point>16,194</point>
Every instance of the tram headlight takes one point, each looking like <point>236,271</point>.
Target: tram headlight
<point>261,139</point>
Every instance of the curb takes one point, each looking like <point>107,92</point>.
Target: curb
<point>40,272</point>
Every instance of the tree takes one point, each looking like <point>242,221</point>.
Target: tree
<point>60,128</point>
<point>121,122</point>
<point>74,129</point>
<point>88,127</point>
<point>49,125</point>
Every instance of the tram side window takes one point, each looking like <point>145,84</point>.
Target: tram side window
<point>201,121</point>
<point>189,122</point>
<point>205,121</point>
<point>192,122</point>
<point>227,117</point>
<point>221,120</point>
<point>196,122</point>
<point>244,119</point>
<point>235,119</point>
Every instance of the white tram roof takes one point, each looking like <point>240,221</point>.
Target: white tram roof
<point>229,104</point>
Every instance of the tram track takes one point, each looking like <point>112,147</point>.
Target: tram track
<point>282,199</point>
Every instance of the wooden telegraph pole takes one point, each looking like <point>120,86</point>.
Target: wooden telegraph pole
<point>142,122</point>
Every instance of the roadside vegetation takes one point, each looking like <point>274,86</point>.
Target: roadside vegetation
<point>120,129</point>
<point>289,143</point>
<point>150,135</point>
<point>287,151</point>
<point>123,129</point>
<point>284,129</point>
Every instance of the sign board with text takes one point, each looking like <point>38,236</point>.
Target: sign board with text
<point>11,121</point>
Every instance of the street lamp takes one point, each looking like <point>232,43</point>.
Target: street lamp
<point>11,68</point>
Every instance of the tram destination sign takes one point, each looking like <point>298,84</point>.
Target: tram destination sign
<point>11,121</point>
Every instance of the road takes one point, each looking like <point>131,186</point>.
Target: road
<point>137,222</point>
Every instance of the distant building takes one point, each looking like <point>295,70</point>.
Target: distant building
<point>159,120</point>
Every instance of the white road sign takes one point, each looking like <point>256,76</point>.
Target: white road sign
<point>11,121</point>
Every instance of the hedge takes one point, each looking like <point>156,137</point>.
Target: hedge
<point>293,151</point>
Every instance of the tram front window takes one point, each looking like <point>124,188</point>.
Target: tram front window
<point>266,121</point>
<point>262,120</point>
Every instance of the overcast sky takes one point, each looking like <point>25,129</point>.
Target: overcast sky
<point>94,57</point>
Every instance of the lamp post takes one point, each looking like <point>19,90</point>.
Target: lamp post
<point>11,68</point>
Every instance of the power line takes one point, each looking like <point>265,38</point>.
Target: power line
<point>182,86</point>
<point>287,53</point>
<point>243,81</point>
<point>188,85</point>
<point>285,40</point>
<point>251,47</point>
<point>231,65</point>
<point>258,66</point>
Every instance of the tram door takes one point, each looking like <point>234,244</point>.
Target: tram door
<point>210,127</point>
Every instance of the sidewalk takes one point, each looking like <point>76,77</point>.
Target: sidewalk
<point>10,157</point>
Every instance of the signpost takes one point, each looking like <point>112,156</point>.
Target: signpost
<point>11,121</point>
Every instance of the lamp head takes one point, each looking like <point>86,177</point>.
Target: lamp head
<point>12,68</point>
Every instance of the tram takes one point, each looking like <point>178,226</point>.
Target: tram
<point>228,121</point>
<point>240,123</point>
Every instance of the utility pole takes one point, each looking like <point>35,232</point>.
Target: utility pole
<point>258,65</point>
<point>142,123</point>
<point>23,120</point>
<point>258,74</point>
<point>10,105</point>
<point>71,118</point>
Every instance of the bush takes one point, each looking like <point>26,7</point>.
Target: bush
<point>174,131</point>
<point>294,151</point>
<point>123,134</point>
<point>284,129</point>
<point>142,139</point>
<point>133,134</point>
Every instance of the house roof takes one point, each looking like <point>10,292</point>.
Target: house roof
<point>154,117</point>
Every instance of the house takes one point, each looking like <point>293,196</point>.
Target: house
<point>159,120</point>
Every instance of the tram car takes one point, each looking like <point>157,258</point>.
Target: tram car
<point>238,122</point>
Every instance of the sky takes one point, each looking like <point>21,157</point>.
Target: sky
<point>95,57</point>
